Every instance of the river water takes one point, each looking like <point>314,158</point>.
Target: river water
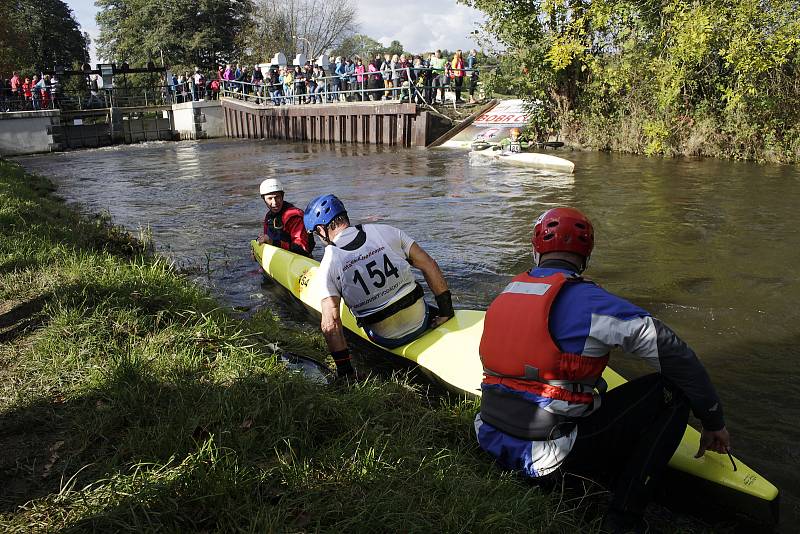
<point>708,246</point>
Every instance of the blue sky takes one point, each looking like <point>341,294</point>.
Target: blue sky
<point>428,24</point>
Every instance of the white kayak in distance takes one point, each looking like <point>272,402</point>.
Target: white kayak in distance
<point>528,159</point>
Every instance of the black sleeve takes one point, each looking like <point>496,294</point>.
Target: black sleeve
<point>680,364</point>
<point>297,249</point>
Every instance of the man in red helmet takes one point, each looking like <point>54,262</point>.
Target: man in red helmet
<point>544,405</point>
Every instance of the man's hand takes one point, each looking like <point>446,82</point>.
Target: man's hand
<point>264,239</point>
<point>346,374</point>
<point>345,368</point>
<point>439,321</point>
<point>349,379</point>
<point>714,440</point>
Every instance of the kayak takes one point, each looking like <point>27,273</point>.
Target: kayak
<point>528,159</point>
<point>449,353</point>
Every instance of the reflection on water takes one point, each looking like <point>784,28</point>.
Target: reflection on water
<point>708,246</point>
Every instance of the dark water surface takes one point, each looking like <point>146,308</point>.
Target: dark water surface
<point>710,247</point>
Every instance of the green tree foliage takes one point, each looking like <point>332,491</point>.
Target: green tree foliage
<point>395,47</point>
<point>38,35</point>
<point>366,47</point>
<point>660,73</point>
<point>188,32</point>
<point>359,45</point>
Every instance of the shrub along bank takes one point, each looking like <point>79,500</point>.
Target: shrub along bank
<point>676,77</point>
<point>129,400</point>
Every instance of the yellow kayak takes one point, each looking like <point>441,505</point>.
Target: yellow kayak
<point>450,353</point>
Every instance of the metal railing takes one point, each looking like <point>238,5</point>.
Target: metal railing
<point>160,95</point>
<point>421,85</point>
<point>417,84</point>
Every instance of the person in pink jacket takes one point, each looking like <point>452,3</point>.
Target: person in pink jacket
<point>360,78</point>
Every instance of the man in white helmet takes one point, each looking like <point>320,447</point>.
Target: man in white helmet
<point>283,224</point>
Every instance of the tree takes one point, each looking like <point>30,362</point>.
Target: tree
<point>359,45</point>
<point>38,35</point>
<point>204,33</point>
<point>662,65</point>
<point>395,47</point>
<point>291,26</point>
<point>12,39</point>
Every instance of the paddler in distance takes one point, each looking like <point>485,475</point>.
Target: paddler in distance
<point>513,143</point>
<point>283,223</point>
<point>544,408</point>
<point>369,266</point>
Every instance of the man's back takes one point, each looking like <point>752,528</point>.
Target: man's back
<point>368,267</point>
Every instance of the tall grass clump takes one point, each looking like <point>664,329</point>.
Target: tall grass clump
<point>130,401</point>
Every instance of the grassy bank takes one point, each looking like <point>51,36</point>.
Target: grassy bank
<point>643,132</point>
<point>130,401</point>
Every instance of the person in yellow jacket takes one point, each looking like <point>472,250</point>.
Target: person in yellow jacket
<point>288,85</point>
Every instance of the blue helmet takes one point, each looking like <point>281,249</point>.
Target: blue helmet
<point>321,211</point>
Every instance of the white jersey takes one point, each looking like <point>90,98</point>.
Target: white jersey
<point>372,276</point>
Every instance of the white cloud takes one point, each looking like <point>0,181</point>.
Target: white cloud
<point>420,25</point>
<point>85,11</point>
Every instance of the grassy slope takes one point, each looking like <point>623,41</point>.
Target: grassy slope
<point>130,401</point>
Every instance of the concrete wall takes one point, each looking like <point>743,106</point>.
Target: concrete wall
<point>85,135</point>
<point>199,120</point>
<point>28,132</point>
<point>380,123</point>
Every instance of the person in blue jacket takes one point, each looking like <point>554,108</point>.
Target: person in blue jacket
<point>544,406</point>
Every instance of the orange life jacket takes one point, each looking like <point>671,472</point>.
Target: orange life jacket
<point>518,351</point>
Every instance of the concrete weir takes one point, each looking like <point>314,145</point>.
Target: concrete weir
<point>28,132</point>
<point>377,123</point>
<point>199,120</point>
<point>32,132</point>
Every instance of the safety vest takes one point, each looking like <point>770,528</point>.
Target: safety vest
<point>275,225</point>
<point>518,351</point>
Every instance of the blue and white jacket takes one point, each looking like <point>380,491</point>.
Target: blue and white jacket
<point>588,320</point>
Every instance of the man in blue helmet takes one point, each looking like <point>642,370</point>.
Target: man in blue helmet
<point>369,266</point>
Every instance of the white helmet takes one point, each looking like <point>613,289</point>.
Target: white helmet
<point>270,185</point>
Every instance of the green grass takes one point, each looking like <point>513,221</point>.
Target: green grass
<point>130,401</point>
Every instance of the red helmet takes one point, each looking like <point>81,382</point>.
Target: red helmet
<point>563,230</point>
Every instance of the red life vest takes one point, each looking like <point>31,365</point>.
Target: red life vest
<point>518,351</point>
<point>275,226</point>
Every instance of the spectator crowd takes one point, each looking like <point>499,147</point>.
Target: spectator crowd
<point>401,77</point>
<point>408,78</point>
<point>29,93</point>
